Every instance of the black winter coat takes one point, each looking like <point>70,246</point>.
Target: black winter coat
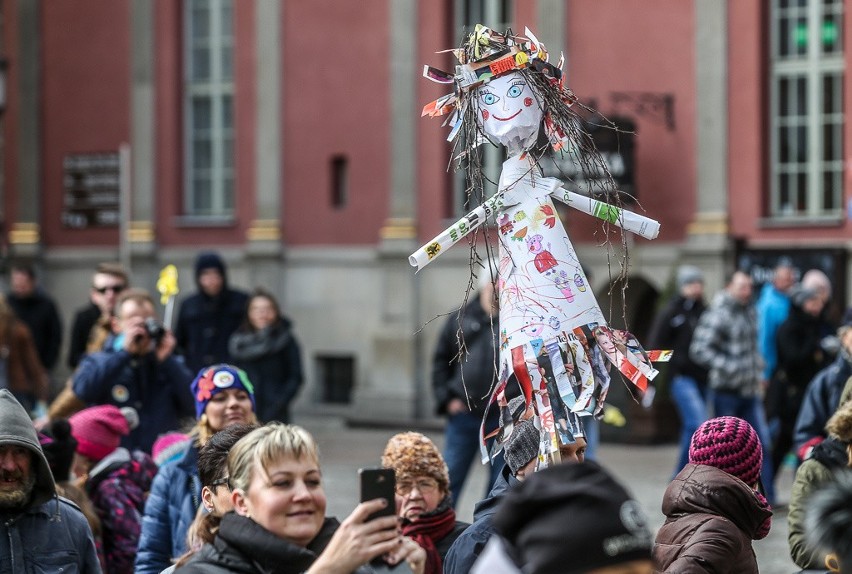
<point>470,543</point>
<point>81,329</point>
<point>242,546</point>
<point>273,362</point>
<point>205,324</point>
<point>800,356</point>
<point>471,378</point>
<point>673,329</point>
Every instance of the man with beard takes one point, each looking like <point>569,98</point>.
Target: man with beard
<point>39,531</point>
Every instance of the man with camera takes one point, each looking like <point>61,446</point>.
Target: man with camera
<point>138,368</point>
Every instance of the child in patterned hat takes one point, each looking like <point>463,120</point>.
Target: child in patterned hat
<point>116,480</point>
<point>713,505</point>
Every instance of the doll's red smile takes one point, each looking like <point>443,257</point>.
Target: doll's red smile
<point>505,119</point>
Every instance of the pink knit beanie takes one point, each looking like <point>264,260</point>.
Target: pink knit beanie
<point>169,447</point>
<point>729,444</point>
<point>98,430</point>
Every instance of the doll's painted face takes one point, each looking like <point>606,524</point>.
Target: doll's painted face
<point>509,111</point>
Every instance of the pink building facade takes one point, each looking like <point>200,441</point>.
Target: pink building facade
<point>287,136</point>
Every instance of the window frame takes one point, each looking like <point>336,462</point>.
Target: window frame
<point>219,90</point>
<point>812,67</point>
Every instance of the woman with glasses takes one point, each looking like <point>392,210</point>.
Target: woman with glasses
<point>279,524</point>
<point>423,500</point>
<point>224,396</point>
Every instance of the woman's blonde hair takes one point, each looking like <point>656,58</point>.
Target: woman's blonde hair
<point>266,445</point>
<point>202,431</point>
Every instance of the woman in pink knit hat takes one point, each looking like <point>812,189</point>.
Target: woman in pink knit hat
<point>116,480</point>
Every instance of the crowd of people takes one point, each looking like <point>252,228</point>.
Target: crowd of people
<point>782,364</point>
<point>111,477</point>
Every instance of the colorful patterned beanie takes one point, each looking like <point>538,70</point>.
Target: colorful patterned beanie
<point>729,444</point>
<point>215,379</point>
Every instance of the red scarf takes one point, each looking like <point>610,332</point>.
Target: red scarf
<point>429,529</point>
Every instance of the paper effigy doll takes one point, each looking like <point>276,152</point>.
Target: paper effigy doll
<point>554,337</point>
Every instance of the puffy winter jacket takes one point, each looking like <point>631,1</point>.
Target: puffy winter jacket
<point>118,485</point>
<point>826,458</point>
<point>171,508</point>
<point>712,517</point>
<point>821,399</point>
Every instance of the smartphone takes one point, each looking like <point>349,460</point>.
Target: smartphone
<point>379,483</point>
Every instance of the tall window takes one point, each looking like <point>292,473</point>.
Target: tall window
<point>806,109</point>
<point>496,14</point>
<point>209,107</point>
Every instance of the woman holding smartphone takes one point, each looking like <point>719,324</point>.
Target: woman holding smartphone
<point>279,523</point>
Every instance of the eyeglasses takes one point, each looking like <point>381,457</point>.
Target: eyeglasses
<point>220,481</point>
<point>424,486</point>
<point>114,288</point>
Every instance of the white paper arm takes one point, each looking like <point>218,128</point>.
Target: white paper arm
<point>455,232</point>
<point>623,218</point>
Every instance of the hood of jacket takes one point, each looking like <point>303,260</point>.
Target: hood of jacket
<point>831,453</point>
<point>16,428</point>
<point>210,260</point>
<point>701,489</point>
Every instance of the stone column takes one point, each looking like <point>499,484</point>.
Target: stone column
<point>141,233</point>
<point>708,244</point>
<point>264,233</point>
<point>24,231</point>
<point>394,388</point>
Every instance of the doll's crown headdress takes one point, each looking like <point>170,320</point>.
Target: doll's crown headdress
<point>486,55</point>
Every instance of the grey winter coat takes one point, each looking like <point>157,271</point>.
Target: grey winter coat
<point>49,534</point>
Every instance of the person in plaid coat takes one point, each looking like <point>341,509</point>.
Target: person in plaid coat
<point>725,342</point>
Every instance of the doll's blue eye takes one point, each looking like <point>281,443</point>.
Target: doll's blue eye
<point>516,90</point>
<point>489,99</point>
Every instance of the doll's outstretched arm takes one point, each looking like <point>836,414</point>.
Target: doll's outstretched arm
<point>623,218</point>
<point>451,235</point>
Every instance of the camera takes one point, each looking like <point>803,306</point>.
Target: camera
<point>155,329</point>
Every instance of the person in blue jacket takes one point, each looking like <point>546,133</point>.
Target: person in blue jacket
<point>138,368</point>
<point>207,319</point>
<point>823,394</point>
<point>224,396</point>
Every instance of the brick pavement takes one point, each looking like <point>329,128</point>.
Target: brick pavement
<point>644,469</point>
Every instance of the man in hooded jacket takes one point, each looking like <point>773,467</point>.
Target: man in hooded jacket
<point>207,319</point>
<point>39,531</point>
